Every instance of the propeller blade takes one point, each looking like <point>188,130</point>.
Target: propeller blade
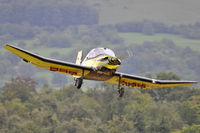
<point>126,55</point>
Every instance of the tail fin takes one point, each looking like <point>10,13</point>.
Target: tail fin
<point>79,58</point>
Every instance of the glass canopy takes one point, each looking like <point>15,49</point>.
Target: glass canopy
<point>100,51</point>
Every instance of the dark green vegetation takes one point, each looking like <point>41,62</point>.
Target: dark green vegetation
<point>97,110</point>
<point>59,29</point>
<point>138,38</point>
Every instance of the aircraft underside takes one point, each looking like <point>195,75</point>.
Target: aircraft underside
<point>100,75</point>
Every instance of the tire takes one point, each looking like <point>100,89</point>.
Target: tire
<point>121,92</point>
<point>78,83</point>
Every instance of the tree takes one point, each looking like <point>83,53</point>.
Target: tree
<point>190,113</point>
<point>162,93</point>
<point>19,87</point>
<point>191,129</point>
<point>3,117</point>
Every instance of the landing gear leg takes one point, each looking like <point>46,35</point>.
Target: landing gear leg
<point>78,82</point>
<point>120,89</point>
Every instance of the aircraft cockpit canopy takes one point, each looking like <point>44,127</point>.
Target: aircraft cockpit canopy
<point>100,51</point>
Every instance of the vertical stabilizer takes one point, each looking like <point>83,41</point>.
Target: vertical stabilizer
<point>79,58</point>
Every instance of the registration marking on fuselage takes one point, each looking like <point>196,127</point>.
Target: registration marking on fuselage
<point>63,70</point>
<point>133,84</point>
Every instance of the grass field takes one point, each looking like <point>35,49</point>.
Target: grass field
<point>137,38</point>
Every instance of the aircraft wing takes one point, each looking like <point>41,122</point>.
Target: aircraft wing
<point>49,64</point>
<point>146,83</point>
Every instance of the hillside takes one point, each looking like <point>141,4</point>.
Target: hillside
<point>167,11</point>
<point>133,38</point>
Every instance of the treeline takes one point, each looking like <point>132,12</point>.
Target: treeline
<point>92,36</point>
<point>23,108</point>
<point>25,19</point>
<point>52,37</point>
<point>47,13</point>
<point>146,27</point>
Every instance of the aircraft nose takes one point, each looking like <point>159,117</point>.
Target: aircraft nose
<point>114,61</point>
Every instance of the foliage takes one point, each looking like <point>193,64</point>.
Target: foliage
<point>150,28</point>
<point>59,14</point>
<point>94,110</point>
<point>191,129</point>
<point>22,88</point>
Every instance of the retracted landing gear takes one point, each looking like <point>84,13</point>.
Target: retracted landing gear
<point>78,82</point>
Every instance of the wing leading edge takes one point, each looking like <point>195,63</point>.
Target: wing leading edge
<point>49,64</point>
<point>146,83</point>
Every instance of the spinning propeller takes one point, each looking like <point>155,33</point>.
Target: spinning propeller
<point>114,60</point>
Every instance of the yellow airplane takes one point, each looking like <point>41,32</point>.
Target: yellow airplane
<point>99,64</point>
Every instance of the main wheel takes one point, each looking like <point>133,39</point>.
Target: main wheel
<point>121,92</point>
<point>78,83</point>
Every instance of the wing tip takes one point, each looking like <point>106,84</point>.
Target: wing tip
<point>7,46</point>
<point>173,81</point>
<point>194,82</point>
<point>191,82</point>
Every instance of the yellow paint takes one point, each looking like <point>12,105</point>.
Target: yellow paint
<point>96,62</point>
<point>45,65</point>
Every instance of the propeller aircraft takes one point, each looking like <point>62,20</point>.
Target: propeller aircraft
<point>99,64</point>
